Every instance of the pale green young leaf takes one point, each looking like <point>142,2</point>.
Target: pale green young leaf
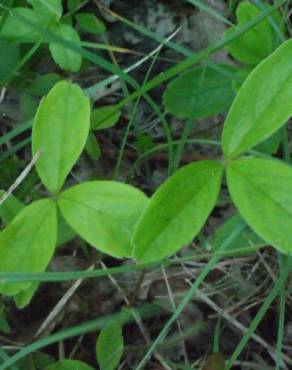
<point>262,105</point>
<point>90,23</point>
<point>15,30</point>
<point>104,117</point>
<point>201,92</point>
<point>65,58</point>
<point>28,243</point>
<point>48,10</point>
<point>110,346</point>
<point>177,211</point>
<point>60,130</point>
<point>104,213</point>
<point>69,365</point>
<point>256,44</point>
<point>261,190</point>
<point>9,208</point>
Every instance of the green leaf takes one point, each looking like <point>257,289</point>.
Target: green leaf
<point>65,232</point>
<point>73,5</point>
<point>271,144</point>
<point>215,361</point>
<point>104,213</point>
<point>68,19</point>
<point>4,326</point>
<point>43,84</point>
<point>28,243</point>
<point>92,147</point>
<point>24,297</point>
<point>240,76</point>
<point>110,347</point>
<point>9,58</point>
<point>201,92</point>
<point>48,10</point>
<point>177,211</point>
<point>15,30</point>
<point>262,105</point>
<point>27,106</point>
<point>256,44</point>
<point>261,190</point>
<point>90,23</point>
<point>35,361</point>
<point>104,117</point>
<point>65,58</point>
<point>246,238</point>
<point>60,130</point>
<point>9,208</point>
<point>69,365</point>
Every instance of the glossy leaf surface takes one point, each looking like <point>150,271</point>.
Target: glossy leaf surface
<point>60,131</point>
<point>261,190</point>
<point>256,44</point>
<point>177,211</point>
<point>110,346</point>
<point>262,105</point>
<point>104,213</point>
<point>66,58</point>
<point>28,242</point>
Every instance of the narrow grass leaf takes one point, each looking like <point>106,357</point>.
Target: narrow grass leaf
<point>124,316</point>
<point>278,286</point>
<point>187,297</point>
<point>69,365</point>
<point>247,237</point>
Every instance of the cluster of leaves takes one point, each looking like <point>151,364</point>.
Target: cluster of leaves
<point>119,219</point>
<point>210,89</point>
<point>105,213</point>
<point>17,29</point>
